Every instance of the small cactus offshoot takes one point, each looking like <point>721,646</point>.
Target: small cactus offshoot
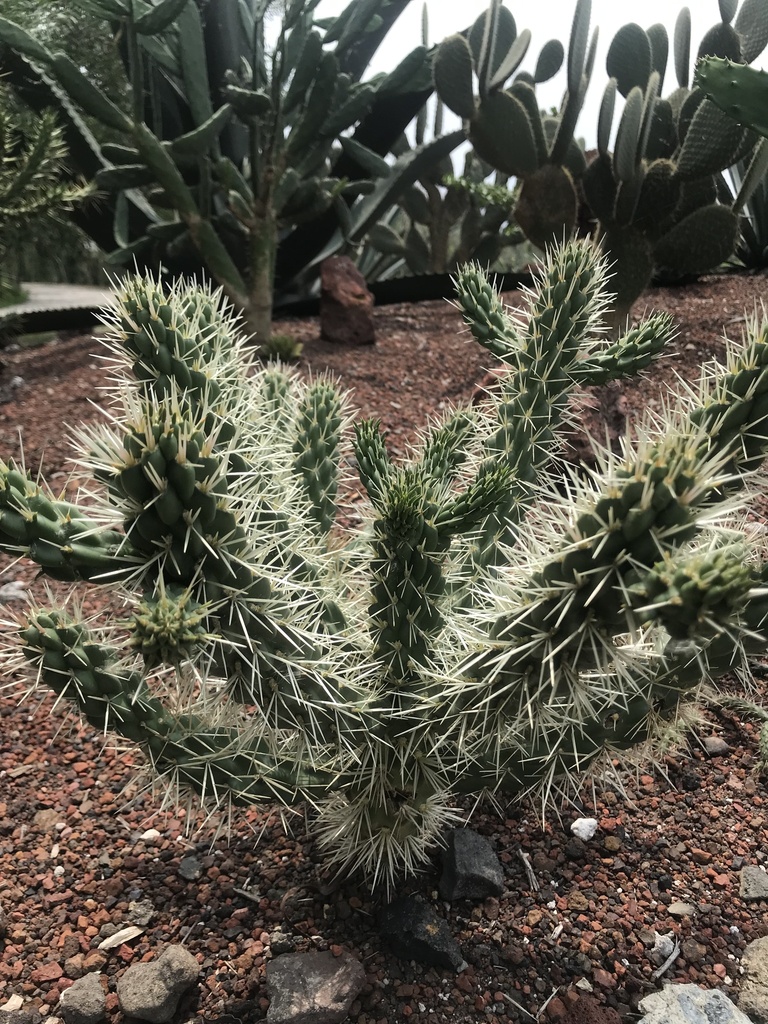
<point>489,628</point>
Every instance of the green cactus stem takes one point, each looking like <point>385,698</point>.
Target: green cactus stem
<point>490,627</point>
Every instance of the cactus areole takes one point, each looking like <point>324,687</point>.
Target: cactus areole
<point>486,629</point>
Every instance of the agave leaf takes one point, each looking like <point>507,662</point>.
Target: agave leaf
<point>417,252</point>
<point>118,154</point>
<point>416,204</point>
<point>121,220</point>
<point>385,239</point>
<point>159,18</point>
<point>370,162</point>
<point>92,100</point>
<point>406,170</point>
<point>194,65</point>
<point>116,179</point>
<point>20,40</point>
<point>754,175</point>
<point>161,55</point>
<point>106,9</point>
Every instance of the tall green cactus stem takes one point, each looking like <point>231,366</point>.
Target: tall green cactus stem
<point>490,627</point>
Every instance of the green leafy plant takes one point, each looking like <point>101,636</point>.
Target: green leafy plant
<point>230,145</point>
<point>32,183</point>
<point>281,347</point>
<point>487,629</point>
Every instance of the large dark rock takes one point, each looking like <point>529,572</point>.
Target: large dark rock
<point>415,932</point>
<point>471,869</point>
<point>346,304</point>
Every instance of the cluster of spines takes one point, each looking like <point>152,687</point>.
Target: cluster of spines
<point>57,534</point>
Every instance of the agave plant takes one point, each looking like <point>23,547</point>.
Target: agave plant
<point>230,145</point>
<point>489,628</point>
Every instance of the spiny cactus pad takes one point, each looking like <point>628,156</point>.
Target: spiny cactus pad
<point>490,627</point>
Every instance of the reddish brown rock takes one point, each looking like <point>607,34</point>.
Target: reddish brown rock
<point>346,304</point>
<point>48,972</point>
<point>586,1010</point>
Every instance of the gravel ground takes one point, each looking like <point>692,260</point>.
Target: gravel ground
<point>74,865</point>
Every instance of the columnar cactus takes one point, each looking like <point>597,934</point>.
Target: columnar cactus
<point>491,627</point>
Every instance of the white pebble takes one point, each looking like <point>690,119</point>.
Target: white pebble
<point>584,828</point>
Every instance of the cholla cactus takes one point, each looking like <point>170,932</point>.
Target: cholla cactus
<point>487,629</point>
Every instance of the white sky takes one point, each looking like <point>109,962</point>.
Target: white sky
<point>546,19</point>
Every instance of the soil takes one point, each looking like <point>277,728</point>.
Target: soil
<point>74,857</point>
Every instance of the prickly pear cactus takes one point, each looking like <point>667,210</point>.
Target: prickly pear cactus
<point>490,626</point>
<point>503,120</point>
<point>657,196</point>
<point>740,91</point>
